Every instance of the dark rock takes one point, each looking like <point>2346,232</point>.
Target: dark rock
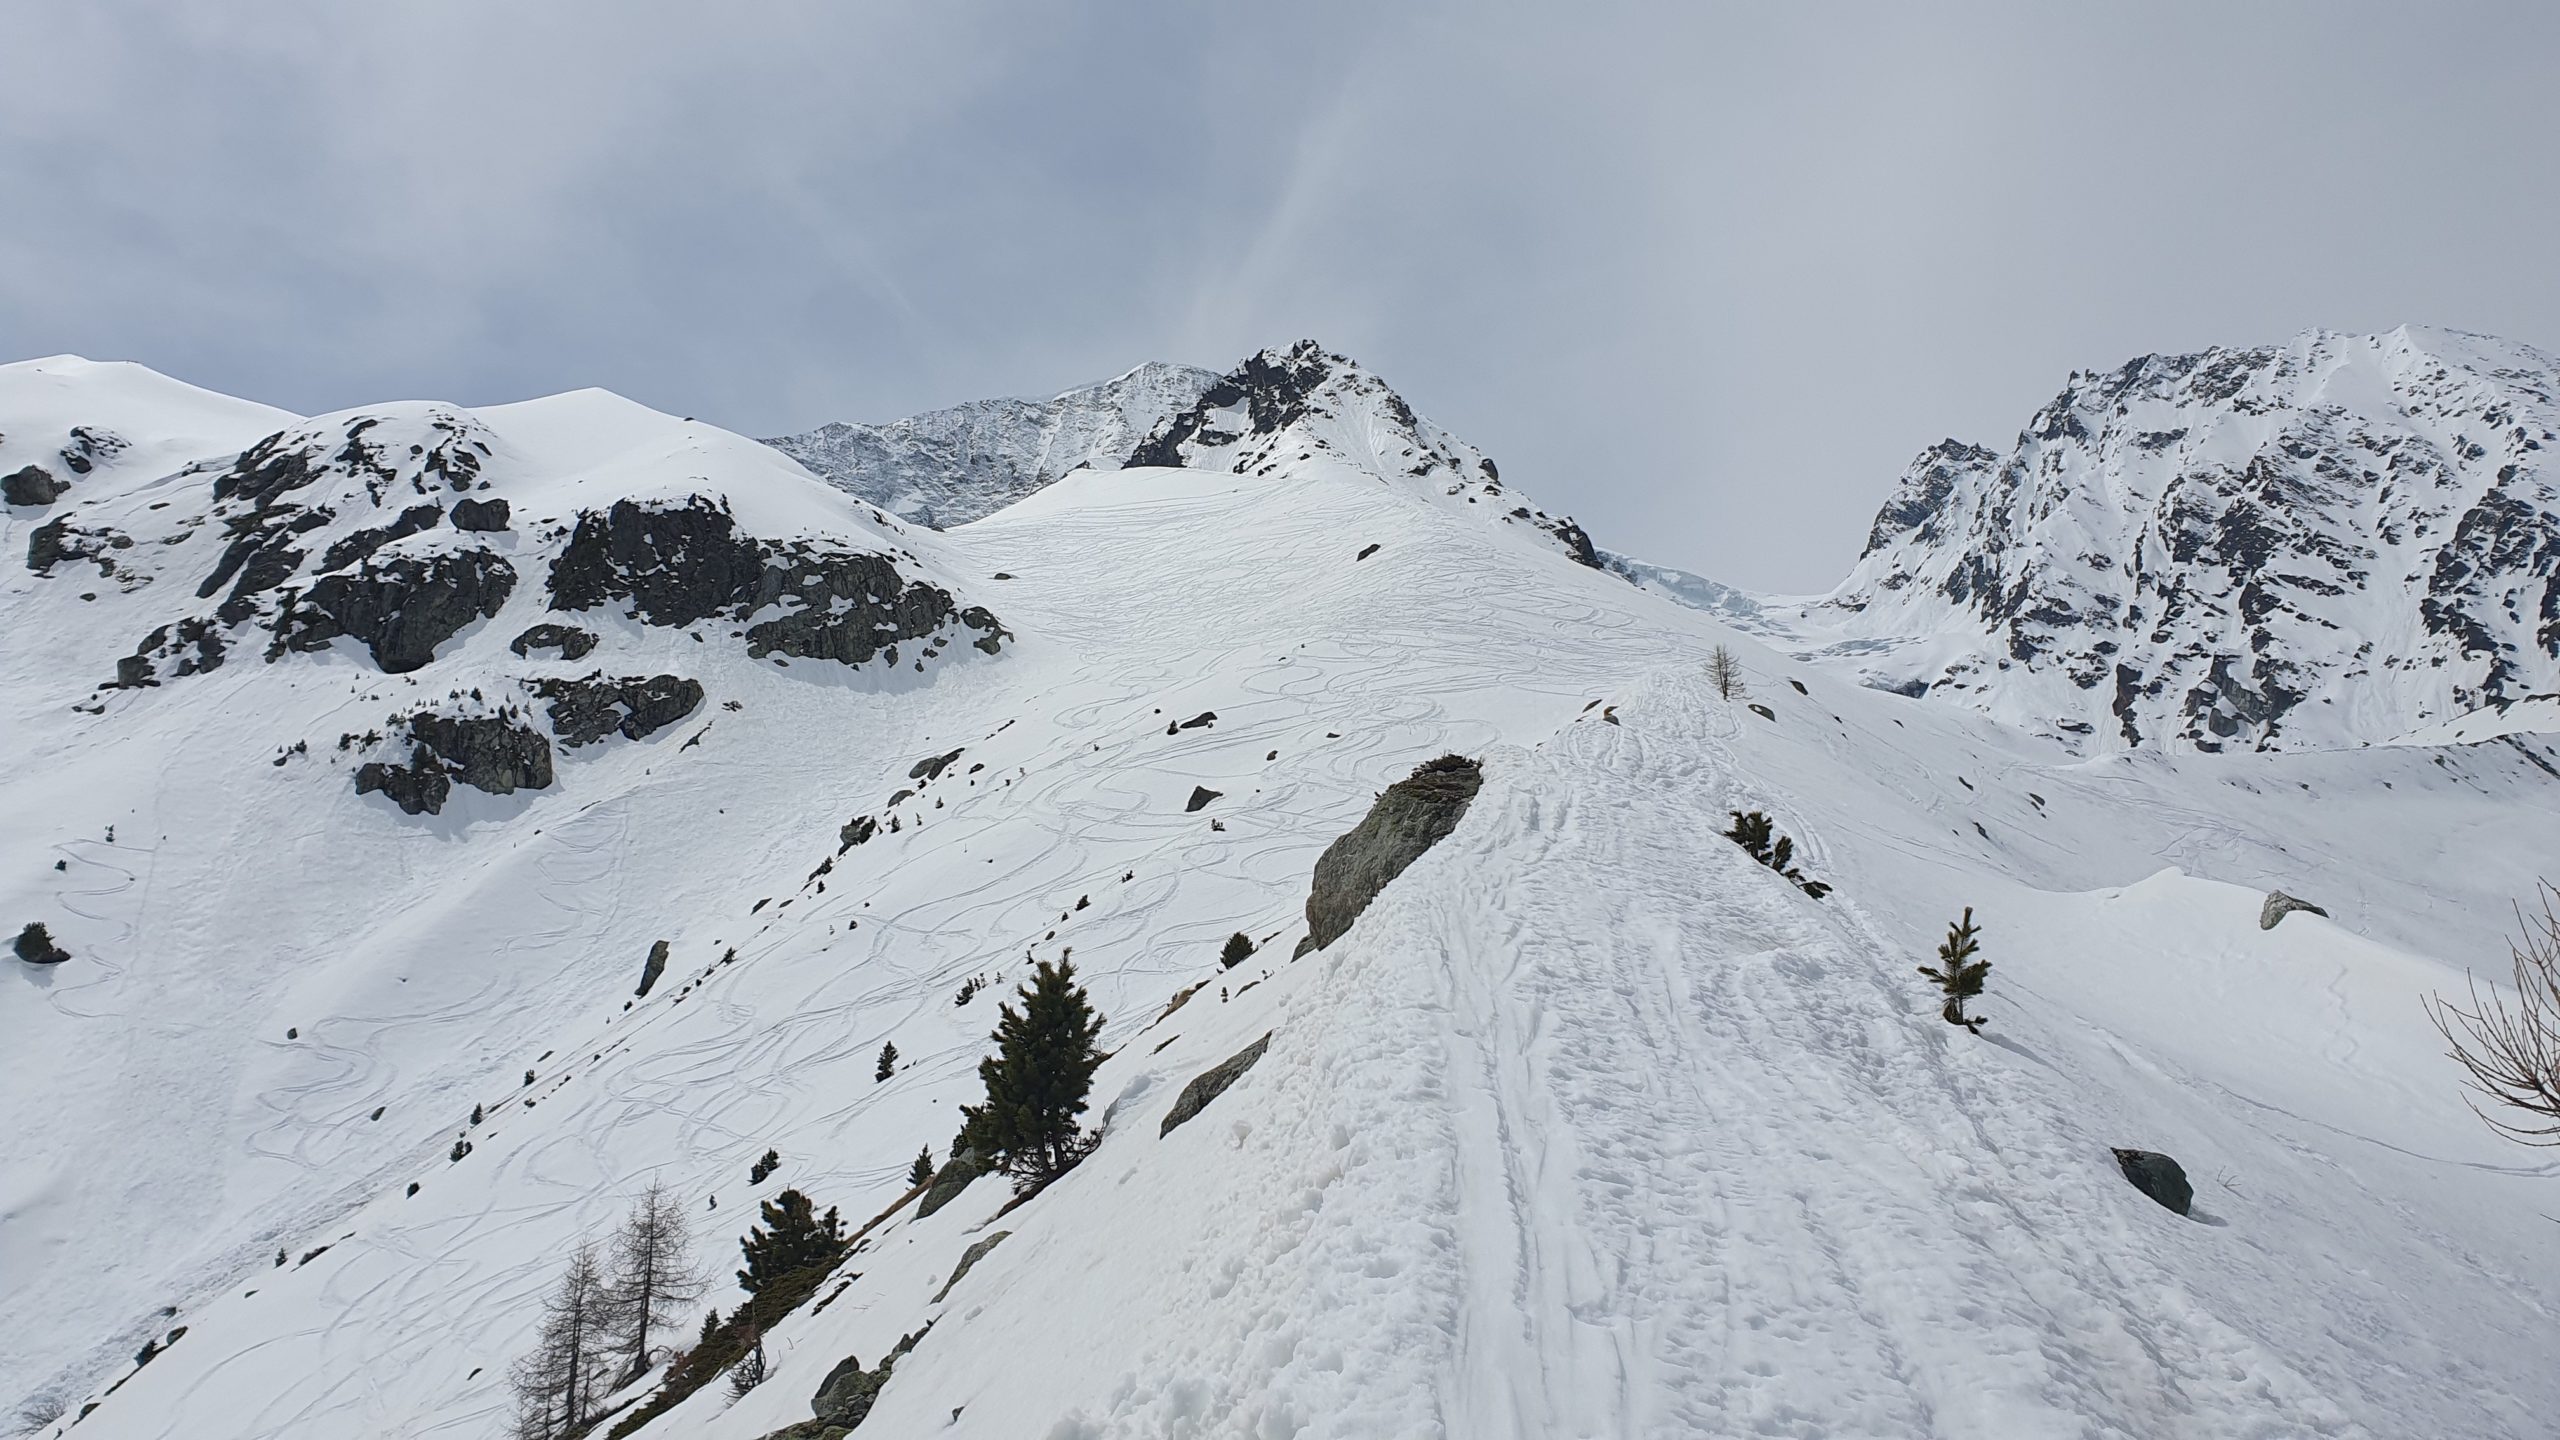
<point>968,1259</point>
<point>1408,818</point>
<point>58,540</point>
<point>1365,552</point>
<point>401,608</point>
<point>194,645</point>
<point>361,545</point>
<point>2279,905</point>
<point>2157,1176</point>
<point>681,563</point>
<point>572,642</point>
<point>1205,717</point>
<point>472,513</point>
<point>1209,1084</point>
<point>488,752</point>
<point>856,830</point>
<point>33,485</point>
<point>951,1179</point>
<point>587,710</point>
<point>1200,795</point>
<point>35,945</point>
<point>655,966</point>
<point>845,1397</point>
<point>931,767</point>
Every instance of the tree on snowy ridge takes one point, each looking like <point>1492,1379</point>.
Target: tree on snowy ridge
<point>1725,673</point>
<point>1959,974</point>
<point>1760,840</point>
<point>653,1272</point>
<point>571,1367</point>
<point>2511,1055</point>
<point>1037,1080</point>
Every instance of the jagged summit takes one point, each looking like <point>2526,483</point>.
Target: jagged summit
<point>2331,541</point>
<point>949,467</point>
<point>1277,410</point>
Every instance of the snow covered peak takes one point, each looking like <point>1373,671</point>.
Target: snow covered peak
<point>2327,542</point>
<point>949,467</point>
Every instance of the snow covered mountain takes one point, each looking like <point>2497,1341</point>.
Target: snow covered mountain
<point>949,467</point>
<point>457,820</point>
<point>1281,408</point>
<point>2333,541</point>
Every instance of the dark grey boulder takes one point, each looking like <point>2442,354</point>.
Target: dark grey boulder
<point>968,1260</point>
<point>2157,1176</point>
<point>1211,1083</point>
<point>587,710</point>
<point>487,752</point>
<point>845,1397</point>
<point>2279,905</point>
<point>931,766</point>
<point>402,607</point>
<point>655,966</point>
<point>1200,795</point>
<point>572,642</point>
<point>34,485</point>
<point>950,1180</point>
<point>1408,818</point>
<point>676,564</point>
<point>856,830</point>
<point>35,945</point>
<point>478,514</point>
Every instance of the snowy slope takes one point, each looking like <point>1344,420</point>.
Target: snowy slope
<point>2333,541</point>
<point>948,467</point>
<point>1589,1126</point>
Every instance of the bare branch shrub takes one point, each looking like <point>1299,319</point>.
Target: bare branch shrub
<point>2510,1050</point>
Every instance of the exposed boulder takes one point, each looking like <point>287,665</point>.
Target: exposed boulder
<point>402,608</point>
<point>35,945</point>
<point>491,753</point>
<point>932,766</point>
<point>951,1179</point>
<point>655,966</point>
<point>1201,795</point>
<point>2157,1176</point>
<point>58,540</point>
<point>587,710</point>
<point>2279,905</point>
<point>1211,1083</point>
<point>1409,817</point>
<point>676,564</point>
<point>855,831</point>
<point>193,646</point>
<point>968,1260</point>
<point>845,1397</point>
<point>476,513</point>
<point>572,642</point>
<point>33,485</point>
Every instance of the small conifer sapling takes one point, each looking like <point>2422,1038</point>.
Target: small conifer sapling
<point>1960,972</point>
<point>922,1170</point>
<point>888,1061</point>
<point>1238,946</point>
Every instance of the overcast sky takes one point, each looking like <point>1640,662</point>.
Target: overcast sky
<point>1705,276</point>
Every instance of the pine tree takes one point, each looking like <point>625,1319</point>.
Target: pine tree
<point>888,1060</point>
<point>557,1386</point>
<point>791,1239</point>
<point>1959,975</point>
<point>1239,945</point>
<point>1037,1080</point>
<point>653,1272</point>
<point>922,1170</point>
<point>1725,673</point>
<point>1761,842</point>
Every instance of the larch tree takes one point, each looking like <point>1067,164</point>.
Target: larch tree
<point>571,1367</point>
<point>653,1272</point>
<point>2509,1051</point>
<point>1724,672</point>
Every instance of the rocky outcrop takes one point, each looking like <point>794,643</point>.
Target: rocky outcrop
<point>2279,905</point>
<point>491,753</point>
<point>572,642</point>
<point>679,564</point>
<point>480,513</point>
<point>58,540</point>
<point>968,1261</point>
<point>932,766</point>
<point>190,647</point>
<point>856,830</point>
<point>2157,1176</point>
<point>951,1179</point>
<point>1201,795</point>
<point>401,607</point>
<point>652,968</point>
<point>1408,818</point>
<point>845,1397</point>
<point>1211,1083</point>
<point>33,485</point>
<point>586,710</point>
<point>35,945</point>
